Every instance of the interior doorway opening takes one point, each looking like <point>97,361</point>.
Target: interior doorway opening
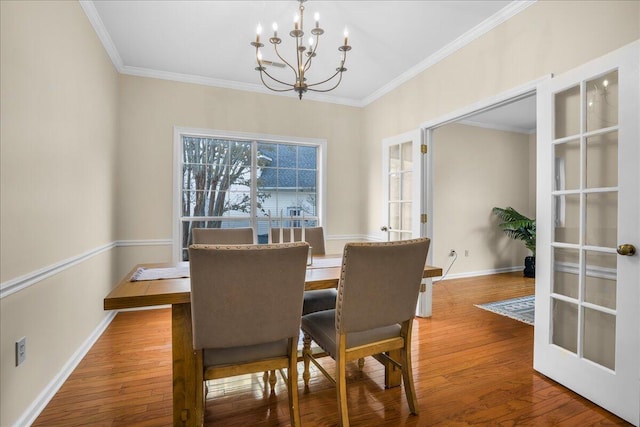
<point>482,156</point>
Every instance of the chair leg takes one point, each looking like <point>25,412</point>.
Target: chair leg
<point>272,380</point>
<point>306,355</point>
<point>292,385</point>
<point>361,364</point>
<point>341,382</point>
<point>407,371</point>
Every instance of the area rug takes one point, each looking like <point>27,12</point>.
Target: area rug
<point>521,309</point>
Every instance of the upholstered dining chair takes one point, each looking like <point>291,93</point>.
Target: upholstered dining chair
<point>315,300</point>
<point>246,302</point>
<point>223,236</point>
<point>377,296</point>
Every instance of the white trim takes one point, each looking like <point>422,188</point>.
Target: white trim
<point>484,27</point>
<point>487,25</point>
<point>17,284</point>
<point>501,99</point>
<point>229,84</point>
<point>248,136</point>
<point>504,98</point>
<point>493,126</point>
<point>148,242</point>
<point>50,390</point>
<point>481,273</point>
<point>97,24</point>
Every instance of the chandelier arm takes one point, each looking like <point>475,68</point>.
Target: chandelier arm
<point>274,79</point>
<point>326,90</point>
<point>307,64</point>
<point>299,70</point>
<point>271,88</point>
<point>339,70</point>
<point>275,47</point>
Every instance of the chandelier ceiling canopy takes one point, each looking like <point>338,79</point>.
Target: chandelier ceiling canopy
<point>304,55</point>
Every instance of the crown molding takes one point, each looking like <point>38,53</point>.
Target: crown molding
<point>228,84</point>
<point>97,24</point>
<point>484,27</point>
<point>503,15</point>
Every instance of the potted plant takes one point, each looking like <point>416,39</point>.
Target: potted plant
<point>519,227</point>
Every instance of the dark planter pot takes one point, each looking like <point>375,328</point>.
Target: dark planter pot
<point>530,266</point>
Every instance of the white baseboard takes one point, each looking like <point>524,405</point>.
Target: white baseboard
<point>481,273</point>
<point>45,396</point>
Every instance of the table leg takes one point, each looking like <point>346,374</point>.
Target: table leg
<point>184,367</point>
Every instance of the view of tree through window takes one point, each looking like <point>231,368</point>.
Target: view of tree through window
<point>229,183</point>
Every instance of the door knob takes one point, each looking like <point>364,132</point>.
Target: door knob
<point>626,249</point>
<point>384,228</point>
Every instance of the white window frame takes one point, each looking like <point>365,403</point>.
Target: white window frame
<point>178,132</point>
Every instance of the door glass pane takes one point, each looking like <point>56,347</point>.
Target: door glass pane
<point>394,159</point>
<point>602,101</point>
<point>407,156</point>
<point>394,216</point>
<point>602,160</point>
<point>395,235</point>
<point>567,108</point>
<point>407,187</point>
<point>564,324</point>
<point>567,218</point>
<point>566,271</point>
<point>406,216</point>
<point>600,280</point>
<point>394,187</point>
<point>567,164</point>
<point>602,219</point>
<point>600,337</point>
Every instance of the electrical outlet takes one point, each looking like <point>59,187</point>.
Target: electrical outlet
<point>466,252</point>
<point>21,350</point>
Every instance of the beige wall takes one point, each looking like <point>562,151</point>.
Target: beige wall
<point>86,155</point>
<point>57,142</point>
<point>548,37</point>
<point>478,169</point>
<point>150,108</point>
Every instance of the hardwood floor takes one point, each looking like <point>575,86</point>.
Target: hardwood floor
<point>471,368</point>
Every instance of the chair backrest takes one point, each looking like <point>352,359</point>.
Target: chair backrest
<point>379,283</point>
<point>245,295</point>
<point>223,236</point>
<point>312,235</point>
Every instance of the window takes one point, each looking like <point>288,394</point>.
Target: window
<point>230,180</point>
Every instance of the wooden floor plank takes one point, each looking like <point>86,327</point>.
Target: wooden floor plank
<point>471,368</point>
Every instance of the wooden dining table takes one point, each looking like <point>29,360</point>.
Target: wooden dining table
<point>323,273</point>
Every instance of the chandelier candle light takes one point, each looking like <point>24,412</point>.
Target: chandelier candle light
<point>304,56</point>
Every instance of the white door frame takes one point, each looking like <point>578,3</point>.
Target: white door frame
<point>418,229</point>
<point>501,99</point>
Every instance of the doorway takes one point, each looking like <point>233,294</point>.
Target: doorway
<point>486,158</point>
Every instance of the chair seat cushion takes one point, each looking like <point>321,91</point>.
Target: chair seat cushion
<point>321,326</point>
<point>319,300</point>
<point>234,355</point>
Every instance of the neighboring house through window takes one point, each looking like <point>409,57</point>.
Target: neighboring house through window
<point>230,180</point>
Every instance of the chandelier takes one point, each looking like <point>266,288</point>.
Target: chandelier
<point>304,56</point>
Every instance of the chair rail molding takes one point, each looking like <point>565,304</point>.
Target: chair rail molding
<point>19,283</point>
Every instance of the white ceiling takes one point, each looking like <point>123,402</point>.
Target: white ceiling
<point>208,42</point>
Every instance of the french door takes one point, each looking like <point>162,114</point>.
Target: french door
<point>402,171</point>
<point>403,200</point>
<point>587,320</point>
